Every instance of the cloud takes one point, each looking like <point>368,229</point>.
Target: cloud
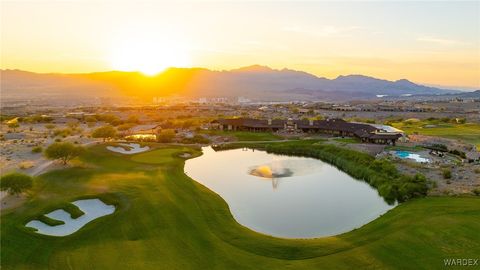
<point>441,41</point>
<point>325,31</point>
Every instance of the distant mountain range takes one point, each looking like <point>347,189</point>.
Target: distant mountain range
<point>253,82</point>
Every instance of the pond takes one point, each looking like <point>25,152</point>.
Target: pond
<point>283,196</point>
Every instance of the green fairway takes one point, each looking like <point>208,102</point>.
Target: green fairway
<point>245,135</point>
<point>468,132</point>
<point>165,220</point>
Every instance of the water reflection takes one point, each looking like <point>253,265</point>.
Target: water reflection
<point>309,198</point>
<point>278,169</point>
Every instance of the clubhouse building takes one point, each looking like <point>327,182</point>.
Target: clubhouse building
<point>335,127</point>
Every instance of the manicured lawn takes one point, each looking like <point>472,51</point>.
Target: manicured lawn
<point>468,132</point>
<point>404,148</point>
<point>347,140</point>
<point>246,136</point>
<point>165,220</point>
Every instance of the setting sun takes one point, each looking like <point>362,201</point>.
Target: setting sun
<point>147,56</point>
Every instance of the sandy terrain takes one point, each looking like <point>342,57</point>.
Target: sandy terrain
<point>17,155</point>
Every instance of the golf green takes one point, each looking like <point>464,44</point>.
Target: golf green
<point>165,220</point>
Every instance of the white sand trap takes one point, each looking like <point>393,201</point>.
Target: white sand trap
<point>128,148</point>
<point>93,209</point>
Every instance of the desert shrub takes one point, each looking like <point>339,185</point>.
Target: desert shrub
<point>133,119</point>
<point>437,147</point>
<point>90,119</point>
<point>458,153</point>
<point>62,132</point>
<point>125,126</point>
<point>49,126</point>
<point>37,149</point>
<point>110,119</point>
<point>166,136</point>
<point>445,120</point>
<point>25,165</point>
<point>461,120</point>
<point>447,174</point>
<point>104,132</point>
<point>16,183</point>
<point>63,151</point>
<point>196,139</point>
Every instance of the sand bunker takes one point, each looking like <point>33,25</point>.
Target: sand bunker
<point>128,148</point>
<point>93,209</point>
<point>185,155</point>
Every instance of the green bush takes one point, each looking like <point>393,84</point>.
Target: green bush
<point>104,132</point>
<point>166,136</point>
<point>63,151</point>
<point>37,149</point>
<point>447,174</point>
<point>458,153</point>
<point>16,183</point>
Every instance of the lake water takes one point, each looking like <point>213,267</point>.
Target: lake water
<point>290,197</point>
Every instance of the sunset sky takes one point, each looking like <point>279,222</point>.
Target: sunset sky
<point>435,43</point>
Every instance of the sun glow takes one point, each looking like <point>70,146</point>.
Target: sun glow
<point>148,56</point>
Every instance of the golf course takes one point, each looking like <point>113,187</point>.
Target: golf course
<point>165,220</point>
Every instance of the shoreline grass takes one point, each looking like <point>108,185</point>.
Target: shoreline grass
<point>379,173</point>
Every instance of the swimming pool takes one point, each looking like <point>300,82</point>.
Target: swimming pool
<point>410,155</point>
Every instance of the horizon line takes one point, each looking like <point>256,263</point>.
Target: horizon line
<point>446,87</point>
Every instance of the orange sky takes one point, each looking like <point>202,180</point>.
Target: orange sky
<point>426,42</point>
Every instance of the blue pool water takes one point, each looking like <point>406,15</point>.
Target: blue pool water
<point>410,155</point>
<point>403,154</point>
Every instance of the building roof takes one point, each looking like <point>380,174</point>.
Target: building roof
<point>358,129</point>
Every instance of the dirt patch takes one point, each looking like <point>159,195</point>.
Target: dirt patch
<point>463,177</point>
<point>9,201</point>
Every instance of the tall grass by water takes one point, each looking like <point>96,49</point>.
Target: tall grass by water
<point>379,173</point>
